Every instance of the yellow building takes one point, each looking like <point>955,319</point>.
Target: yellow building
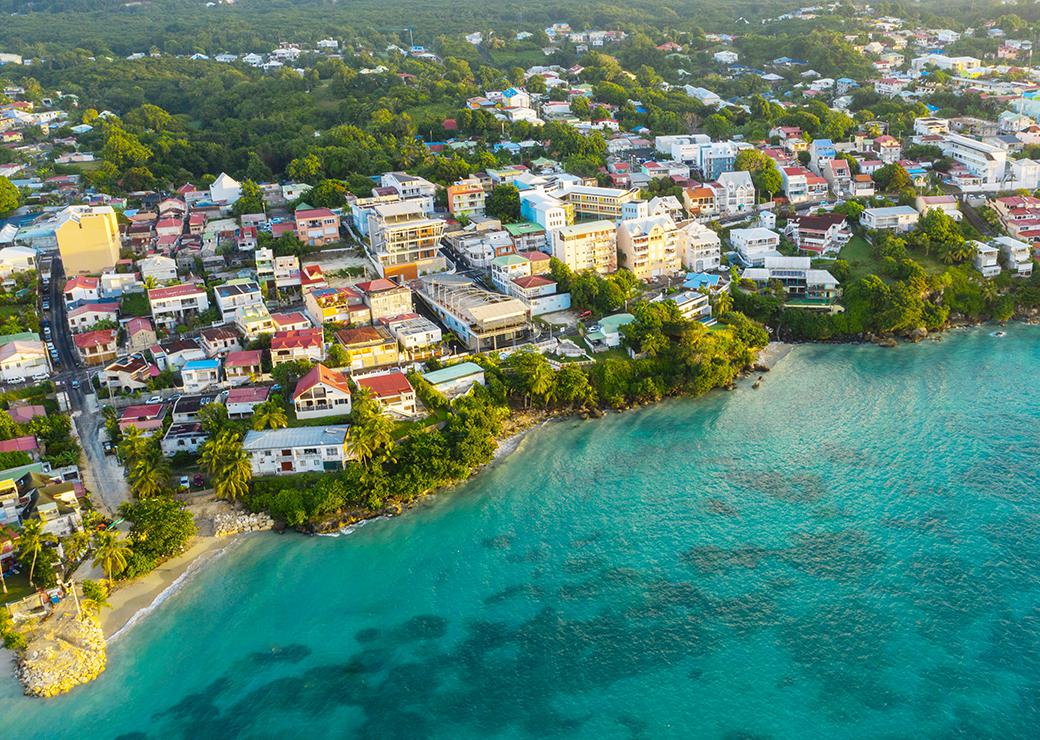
<point>588,246</point>
<point>88,239</point>
<point>590,202</point>
<point>649,247</point>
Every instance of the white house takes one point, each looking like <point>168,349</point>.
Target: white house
<point>987,259</point>
<point>755,245</point>
<point>321,392</point>
<point>891,218</point>
<point>297,450</point>
<point>225,190</point>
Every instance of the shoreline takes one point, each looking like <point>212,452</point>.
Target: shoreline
<point>137,599</point>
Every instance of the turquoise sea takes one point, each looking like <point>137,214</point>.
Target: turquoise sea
<point>851,551</point>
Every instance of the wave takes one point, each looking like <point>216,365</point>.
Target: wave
<point>178,583</point>
<point>351,528</point>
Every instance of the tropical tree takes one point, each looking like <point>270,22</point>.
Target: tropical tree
<point>147,469</point>
<point>723,303</point>
<point>270,415</point>
<point>227,463</point>
<point>533,376</point>
<point>111,554</point>
<point>371,432</point>
<point>95,596</point>
<point>31,543</point>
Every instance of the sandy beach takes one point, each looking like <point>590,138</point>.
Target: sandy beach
<point>128,600</point>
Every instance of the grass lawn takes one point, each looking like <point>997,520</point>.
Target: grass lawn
<point>862,261</point>
<point>17,587</point>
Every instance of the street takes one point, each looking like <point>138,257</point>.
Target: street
<point>102,474</point>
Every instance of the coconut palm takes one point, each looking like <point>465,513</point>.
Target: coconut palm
<point>31,543</point>
<point>147,469</point>
<point>371,431</point>
<point>270,415</point>
<point>112,553</point>
<point>95,596</point>
<point>723,303</point>
<point>227,463</point>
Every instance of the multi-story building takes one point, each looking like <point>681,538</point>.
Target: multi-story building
<point>198,375</point>
<point>385,298</point>
<point>801,185</point>
<point>405,242</point>
<point>158,267</point>
<point>392,391</point>
<point>734,193</point>
<point>128,375</point>
<point>891,218</point>
<point>987,259</point>
<point>302,344</point>
<point>755,245</point>
<point>797,276</point>
<point>412,187</point>
<point>175,304</point>
<point>282,273</point>
<point>242,367</point>
<point>466,198</point>
<point>1017,255</point>
<point>700,247</point>
<point>587,246</point>
<point>340,305</point>
<point>87,315</point>
<point>986,161</point>
<point>591,202</point>
<point>507,267</point>
<point>23,357</point>
<point>88,239</point>
<point>236,294</point>
<point>81,289</point>
<point>823,233</point>
<point>369,346</point>
<point>297,450</point>
<point>317,227</point>
<point>417,336</point>
<point>481,319</point>
<point>321,392</point>
<point>97,347</point>
<point>649,247</point>
<point>548,212</point>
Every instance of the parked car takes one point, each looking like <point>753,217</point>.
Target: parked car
<point>108,447</point>
<point>198,481</point>
<point>154,399</point>
<point>75,384</point>
<point>185,483</point>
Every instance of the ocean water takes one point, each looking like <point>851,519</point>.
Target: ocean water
<point>851,551</point>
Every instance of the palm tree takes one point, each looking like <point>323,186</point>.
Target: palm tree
<point>270,415</point>
<point>95,596</point>
<point>723,303</point>
<point>148,470</point>
<point>112,553</point>
<point>227,463</point>
<point>150,282</point>
<point>31,543</point>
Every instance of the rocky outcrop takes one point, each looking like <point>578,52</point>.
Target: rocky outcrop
<point>231,523</point>
<point>63,652</point>
<point>918,334</point>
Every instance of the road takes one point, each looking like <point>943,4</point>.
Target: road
<point>102,474</point>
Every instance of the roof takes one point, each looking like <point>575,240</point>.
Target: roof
<point>321,375</point>
<point>201,365</point>
<point>289,438</point>
<point>142,411</point>
<point>88,308</point>
<point>86,283</point>
<point>291,317</point>
<point>248,394</point>
<point>363,334</point>
<point>377,286</point>
<point>19,444</point>
<point>453,372</point>
<point>535,256</point>
<point>387,384</point>
<point>95,338</point>
<point>174,291</point>
<point>139,323</point>
<point>314,213</point>
<point>533,281</point>
<point>296,338</point>
<point>245,358</point>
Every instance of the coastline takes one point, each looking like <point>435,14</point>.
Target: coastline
<point>134,601</point>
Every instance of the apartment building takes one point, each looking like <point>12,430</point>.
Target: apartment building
<point>88,239</point>
<point>282,273</point>
<point>822,233</point>
<point>417,336</point>
<point>174,304</point>
<point>797,276</point>
<point>466,198</point>
<point>734,193</point>
<point>986,161</point>
<point>699,247</point>
<point>385,298</point>
<point>987,259</point>
<point>369,346</point>
<point>590,202</point>
<point>236,294</point>
<point>317,227</point>
<point>650,247</point>
<point>404,241</point>
<point>1017,255</point>
<point>413,188</point>
<point>481,319</point>
<point>587,246</point>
